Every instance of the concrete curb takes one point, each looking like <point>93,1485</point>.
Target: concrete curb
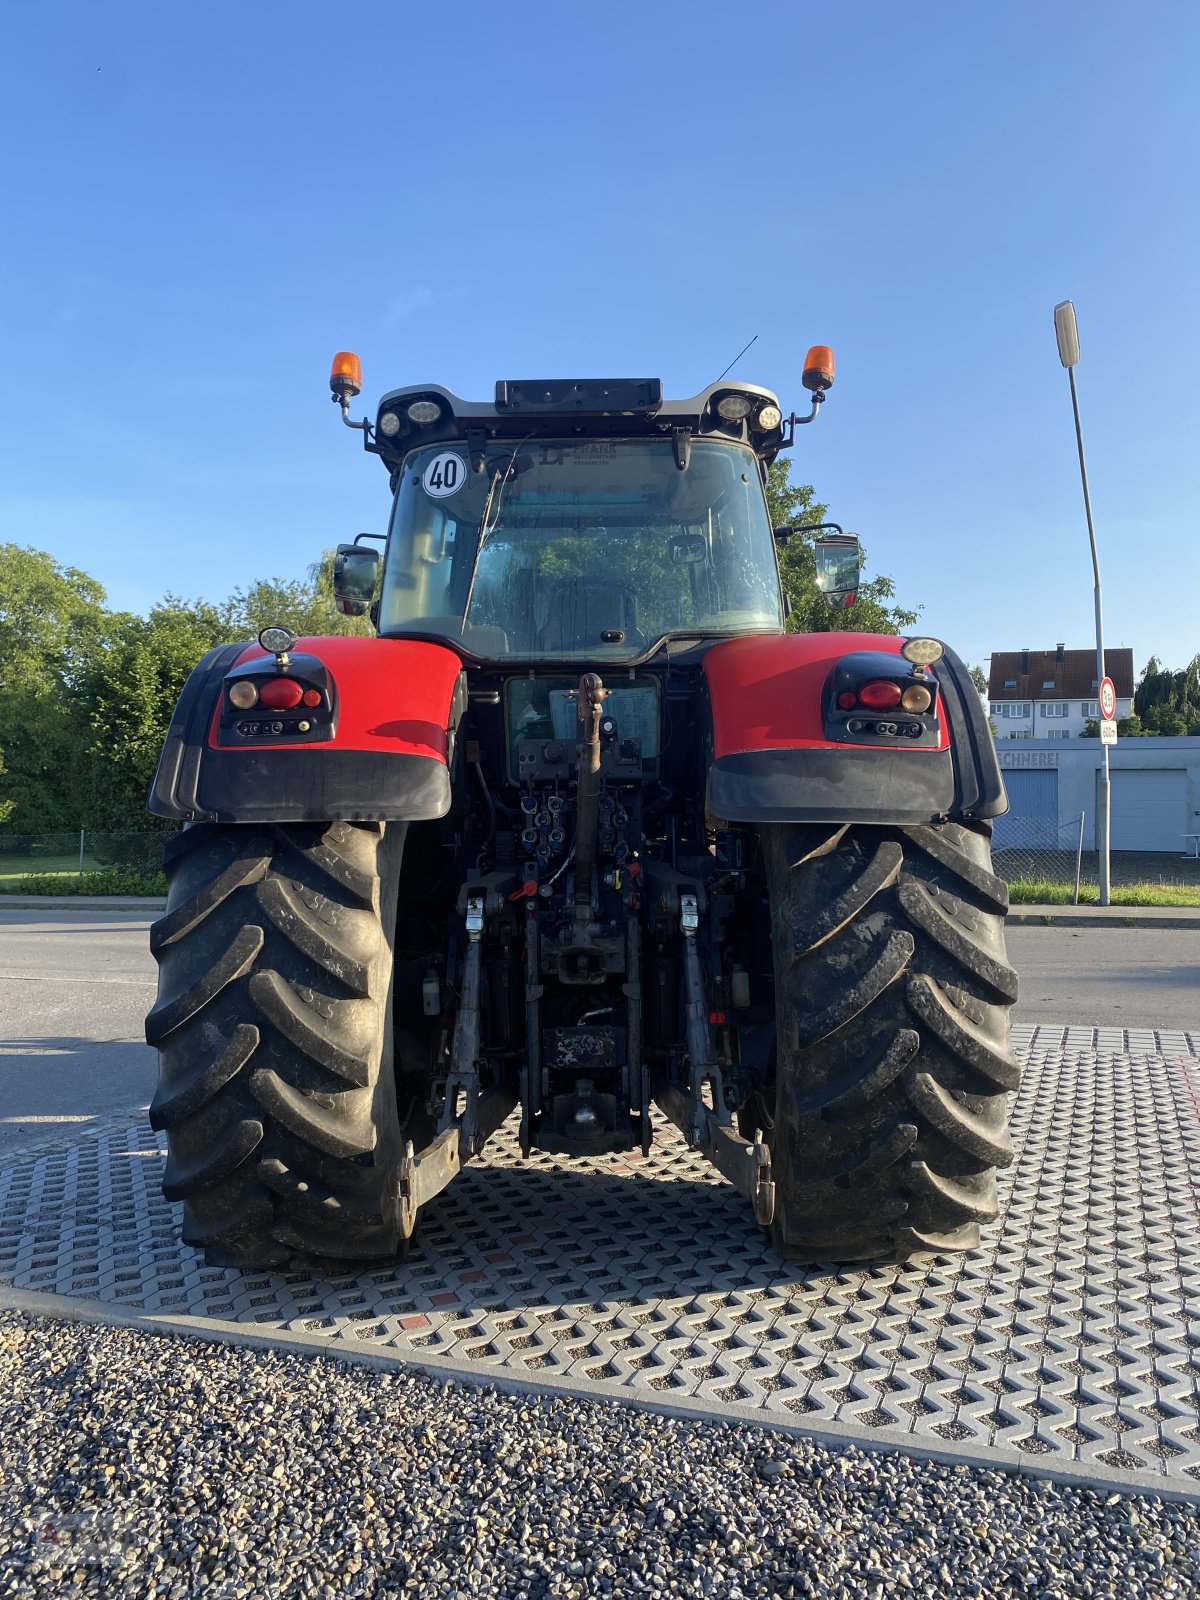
<point>1121,918</point>
<point>446,1370</point>
<point>77,902</point>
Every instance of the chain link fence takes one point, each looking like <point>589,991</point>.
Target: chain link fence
<point>1034,854</point>
<point>1044,860</point>
<point>87,858</point>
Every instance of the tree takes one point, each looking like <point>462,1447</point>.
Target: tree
<point>127,693</point>
<point>1167,701</point>
<point>305,605</point>
<point>1166,721</point>
<point>792,505</point>
<point>1129,727</point>
<point>6,806</point>
<point>977,678</point>
<point>50,617</point>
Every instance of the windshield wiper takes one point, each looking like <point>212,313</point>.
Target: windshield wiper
<point>489,522</point>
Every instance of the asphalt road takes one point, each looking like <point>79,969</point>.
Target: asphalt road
<point>1116,977</point>
<point>75,985</point>
<point>74,988</point>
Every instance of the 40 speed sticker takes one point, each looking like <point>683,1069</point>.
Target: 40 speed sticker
<point>445,475</point>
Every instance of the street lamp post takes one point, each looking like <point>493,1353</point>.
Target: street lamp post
<point>1068,353</point>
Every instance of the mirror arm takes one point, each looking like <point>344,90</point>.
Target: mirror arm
<point>364,426</point>
<point>793,422</point>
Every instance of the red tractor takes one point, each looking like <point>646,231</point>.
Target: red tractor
<point>583,831</point>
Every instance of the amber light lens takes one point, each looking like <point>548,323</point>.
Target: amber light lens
<point>880,695</point>
<point>916,698</point>
<point>345,376</point>
<point>243,695</point>
<point>818,368</point>
<point>280,694</point>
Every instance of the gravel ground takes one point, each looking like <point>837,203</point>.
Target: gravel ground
<point>150,1466</point>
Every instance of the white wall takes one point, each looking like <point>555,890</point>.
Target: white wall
<point>1036,726</point>
<point>1079,760</point>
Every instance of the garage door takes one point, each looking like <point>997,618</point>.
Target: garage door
<point>1032,816</point>
<point>1149,810</point>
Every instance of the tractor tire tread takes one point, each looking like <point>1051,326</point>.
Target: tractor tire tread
<point>275,1090</point>
<point>891,1097</point>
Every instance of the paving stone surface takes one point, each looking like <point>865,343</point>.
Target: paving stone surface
<point>1070,1339</point>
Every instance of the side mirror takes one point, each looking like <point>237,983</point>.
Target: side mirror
<point>838,557</point>
<point>688,548</point>
<point>355,571</point>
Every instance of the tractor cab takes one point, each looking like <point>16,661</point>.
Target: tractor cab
<point>579,548</point>
<point>574,521</point>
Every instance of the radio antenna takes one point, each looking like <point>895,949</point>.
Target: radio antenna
<point>735,360</point>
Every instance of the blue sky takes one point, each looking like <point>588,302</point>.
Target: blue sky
<point>202,204</point>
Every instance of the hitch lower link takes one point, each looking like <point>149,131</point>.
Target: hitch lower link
<point>425,1173</point>
<point>746,1163</point>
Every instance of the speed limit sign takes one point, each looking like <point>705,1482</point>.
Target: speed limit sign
<point>1108,699</point>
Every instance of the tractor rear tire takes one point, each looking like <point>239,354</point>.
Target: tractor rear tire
<point>276,1089</point>
<point>893,1066</point>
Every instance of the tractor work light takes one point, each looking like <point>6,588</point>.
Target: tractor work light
<point>922,652</point>
<point>345,377</point>
<point>818,369</point>
<point>277,640</point>
<point>389,424</point>
<point>424,412</point>
<point>769,418</point>
<point>243,695</point>
<point>733,407</point>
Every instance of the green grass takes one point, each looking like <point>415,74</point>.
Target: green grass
<point>43,866</point>
<point>1138,877</point>
<point>1048,891</point>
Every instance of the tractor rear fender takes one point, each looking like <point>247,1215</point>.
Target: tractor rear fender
<point>773,759</point>
<point>378,748</point>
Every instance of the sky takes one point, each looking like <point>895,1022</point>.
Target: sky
<point>202,204</point>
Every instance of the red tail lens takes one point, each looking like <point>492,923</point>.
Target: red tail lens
<point>880,695</point>
<point>311,697</point>
<point>847,700</point>
<point>280,694</point>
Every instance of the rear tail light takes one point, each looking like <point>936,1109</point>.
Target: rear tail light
<point>880,695</point>
<point>281,694</point>
<point>311,697</point>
